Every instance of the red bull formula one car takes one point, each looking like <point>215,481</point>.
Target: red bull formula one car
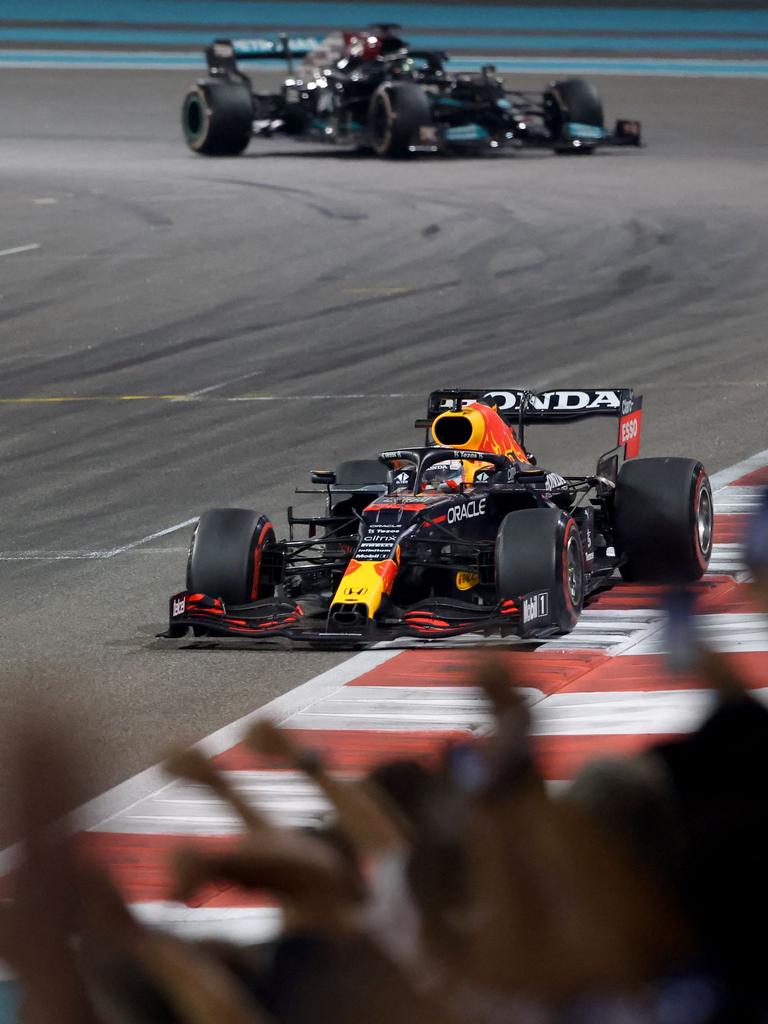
<point>463,534</point>
<point>370,90</point>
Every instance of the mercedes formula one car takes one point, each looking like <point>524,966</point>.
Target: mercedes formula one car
<point>463,534</point>
<point>371,91</point>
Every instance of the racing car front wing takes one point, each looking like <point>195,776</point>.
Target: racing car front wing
<point>432,619</point>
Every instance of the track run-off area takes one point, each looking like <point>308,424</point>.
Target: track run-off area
<point>179,333</point>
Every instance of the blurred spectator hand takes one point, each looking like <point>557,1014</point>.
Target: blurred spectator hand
<point>265,737</point>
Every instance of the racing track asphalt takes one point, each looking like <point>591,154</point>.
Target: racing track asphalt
<point>296,272</point>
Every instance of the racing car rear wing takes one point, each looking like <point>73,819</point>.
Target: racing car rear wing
<point>222,54</point>
<point>519,407</point>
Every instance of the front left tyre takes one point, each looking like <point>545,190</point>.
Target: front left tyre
<point>573,111</point>
<point>539,550</point>
<point>229,556</point>
<point>217,118</point>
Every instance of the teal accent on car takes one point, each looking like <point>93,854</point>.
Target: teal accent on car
<point>584,131</point>
<point>320,128</point>
<point>465,133</point>
<point>193,115</point>
<point>259,47</point>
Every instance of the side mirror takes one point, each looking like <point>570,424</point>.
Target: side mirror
<point>323,476</point>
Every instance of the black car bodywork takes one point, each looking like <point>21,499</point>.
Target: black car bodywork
<point>516,552</point>
<point>396,103</point>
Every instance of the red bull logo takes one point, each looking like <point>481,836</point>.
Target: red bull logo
<point>366,583</point>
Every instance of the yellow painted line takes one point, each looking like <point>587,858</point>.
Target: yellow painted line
<point>60,399</point>
<point>53,400</point>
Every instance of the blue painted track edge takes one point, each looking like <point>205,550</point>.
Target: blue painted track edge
<point>433,15</point>
<point>605,65</point>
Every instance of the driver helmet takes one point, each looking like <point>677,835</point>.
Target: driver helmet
<point>365,46</point>
<point>449,476</point>
<point>444,476</point>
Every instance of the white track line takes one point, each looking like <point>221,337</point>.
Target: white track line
<point>727,476</point>
<point>63,556</point>
<point>149,537</point>
<point>76,556</point>
<point>118,800</point>
<point>19,248</point>
<point>121,798</point>
<point>246,924</point>
<point>215,387</point>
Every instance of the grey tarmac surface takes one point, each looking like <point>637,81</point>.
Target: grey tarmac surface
<point>251,286</point>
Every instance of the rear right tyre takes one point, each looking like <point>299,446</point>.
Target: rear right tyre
<point>217,118</point>
<point>663,520</point>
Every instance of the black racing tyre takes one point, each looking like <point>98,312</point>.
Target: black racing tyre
<point>360,473</point>
<point>663,520</point>
<point>217,118</point>
<point>540,549</point>
<point>226,555</point>
<point>572,101</point>
<point>397,111</point>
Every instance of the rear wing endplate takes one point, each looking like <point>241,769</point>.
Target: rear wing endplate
<point>519,407</point>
